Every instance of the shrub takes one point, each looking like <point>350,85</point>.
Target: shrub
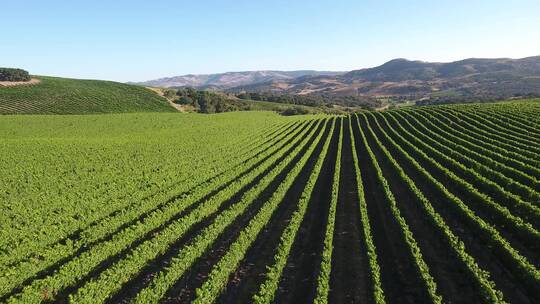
<point>8,74</point>
<point>294,111</point>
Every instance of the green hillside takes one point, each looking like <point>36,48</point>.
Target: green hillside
<point>73,96</point>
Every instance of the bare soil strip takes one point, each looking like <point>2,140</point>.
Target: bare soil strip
<point>400,280</point>
<point>349,279</point>
<point>19,83</point>
<point>299,279</point>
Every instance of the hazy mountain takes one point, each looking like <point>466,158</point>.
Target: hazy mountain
<point>469,78</point>
<point>403,69</point>
<point>231,79</point>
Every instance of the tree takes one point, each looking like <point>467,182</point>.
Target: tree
<point>9,74</point>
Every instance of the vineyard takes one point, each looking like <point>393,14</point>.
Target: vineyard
<point>435,204</point>
<point>53,95</point>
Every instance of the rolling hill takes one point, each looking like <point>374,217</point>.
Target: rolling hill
<point>73,96</point>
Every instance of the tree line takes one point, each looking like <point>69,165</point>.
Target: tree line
<point>313,100</point>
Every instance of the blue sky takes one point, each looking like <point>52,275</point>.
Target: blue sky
<point>141,40</point>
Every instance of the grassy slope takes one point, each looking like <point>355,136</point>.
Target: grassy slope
<point>72,96</point>
<point>140,127</point>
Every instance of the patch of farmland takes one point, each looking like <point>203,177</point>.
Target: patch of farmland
<point>434,204</point>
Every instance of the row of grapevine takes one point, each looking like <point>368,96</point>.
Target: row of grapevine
<point>106,220</point>
<point>323,278</point>
<point>522,267</point>
<point>478,275</point>
<point>108,281</point>
<point>413,248</point>
<point>214,284</point>
<point>268,288</point>
<point>483,135</point>
<point>484,125</point>
<point>87,260</point>
<point>375,270</point>
<point>17,243</point>
<point>521,168</point>
<point>518,121</point>
<point>493,191</point>
<point>512,178</point>
<point>514,125</point>
<point>500,214</point>
<point>440,203</point>
<point>92,236</point>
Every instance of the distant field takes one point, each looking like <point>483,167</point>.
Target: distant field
<point>73,96</point>
<point>256,105</point>
<point>435,204</point>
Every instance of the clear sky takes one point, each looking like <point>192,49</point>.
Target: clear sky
<point>141,40</point>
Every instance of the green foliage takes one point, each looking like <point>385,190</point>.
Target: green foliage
<point>90,203</point>
<point>323,280</point>
<point>294,111</point>
<point>413,248</point>
<point>72,96</point>
<point>81,152</point>
<point>313,100</point>
<point>148,250</point>
<point>374,267</point>
<point>490,234</point>
<point>481,277</point>
<point>269,287</point>
<point>206,101</point>
<point>217,280</point>
<point>9,74</point>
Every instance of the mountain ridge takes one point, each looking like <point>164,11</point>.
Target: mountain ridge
<point>467,79</point>
<point>231,79</point>
<point>400,79</point>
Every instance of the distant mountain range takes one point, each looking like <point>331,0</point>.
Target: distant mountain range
<point>229,80</point>
<point>472,78</point>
